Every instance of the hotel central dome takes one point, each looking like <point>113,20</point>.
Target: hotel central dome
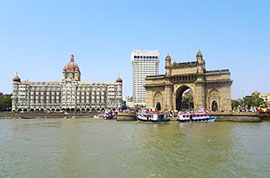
<point>71,66</point>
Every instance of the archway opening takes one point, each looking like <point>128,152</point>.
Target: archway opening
<point>214,106</point>
<point>158,106</point>
<point>184,99</point>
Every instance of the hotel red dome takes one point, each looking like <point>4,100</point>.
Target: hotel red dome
<point>71,65</point>
<point>119,80</point>
<point>16,79</point>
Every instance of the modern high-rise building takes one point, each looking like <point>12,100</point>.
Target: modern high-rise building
<point>144,63</point>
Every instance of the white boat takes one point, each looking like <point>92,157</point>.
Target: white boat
<point>110,115</point>
<point>153,116</point>
<point>96,116</point>
<point>201,116</point>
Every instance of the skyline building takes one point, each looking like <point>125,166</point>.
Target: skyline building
<point>69,94</point>
<point>144,63</point>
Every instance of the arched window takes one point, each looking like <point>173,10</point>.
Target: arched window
<point>158,106</point>
<point>214,106</point>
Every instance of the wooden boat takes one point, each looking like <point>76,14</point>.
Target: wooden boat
<point>153,116</point>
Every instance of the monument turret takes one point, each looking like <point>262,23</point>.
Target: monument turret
<point>168,64</point>
<point>200,63</point>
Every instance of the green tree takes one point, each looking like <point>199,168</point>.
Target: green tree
<point>5,104</point>
<point>254,101</point>
<point>235,104</point>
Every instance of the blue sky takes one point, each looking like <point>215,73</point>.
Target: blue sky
<point>38,37</point>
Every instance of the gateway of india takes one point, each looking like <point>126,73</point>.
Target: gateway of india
<point>70,94</point>
<point>209,88</point>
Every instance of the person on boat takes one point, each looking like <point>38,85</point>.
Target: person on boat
<point>191,117</point>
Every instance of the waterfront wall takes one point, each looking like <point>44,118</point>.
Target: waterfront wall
<point>237,117</point>
<point>126,117</point>
<point>221,117</point>
<point>36,115</point>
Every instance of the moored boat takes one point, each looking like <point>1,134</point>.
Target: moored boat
<point>264,112</point>
<point>153,116</point>
<point>110,115</point>
<point>202,116</point>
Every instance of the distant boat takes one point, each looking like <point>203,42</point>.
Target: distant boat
<point>264,112</point>
<point>153,116</point>
<point>110,115</point>
<point>201,116</point>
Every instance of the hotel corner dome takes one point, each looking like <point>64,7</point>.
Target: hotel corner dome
<point>71,65</point>
<point>119,80</point>
<point>16,79</point>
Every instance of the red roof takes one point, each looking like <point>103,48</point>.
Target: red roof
<point>16,79</point>
<point>119,80</point>
<point>71,66</point>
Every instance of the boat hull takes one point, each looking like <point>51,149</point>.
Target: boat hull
<point>150,120</point>
<point>110,117</point>
<point>210,119</point>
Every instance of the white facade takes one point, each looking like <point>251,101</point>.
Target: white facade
<point>68,94</point>
<point>144,63</point>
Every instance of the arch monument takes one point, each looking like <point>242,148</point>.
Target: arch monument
<point>210,89</point>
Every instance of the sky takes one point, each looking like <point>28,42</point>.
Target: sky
<point>38,37</point>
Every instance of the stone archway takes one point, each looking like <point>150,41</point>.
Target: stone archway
<point>184,98</point>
